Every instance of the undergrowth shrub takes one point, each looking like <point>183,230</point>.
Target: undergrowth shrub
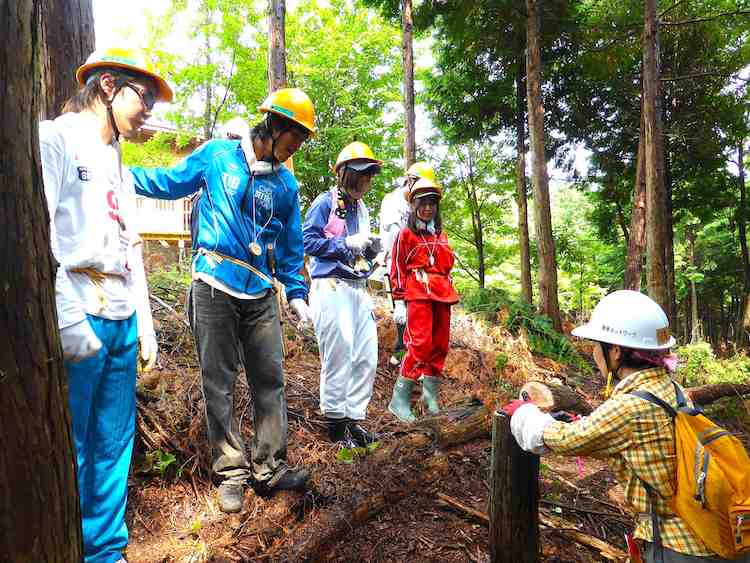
<point>700,366</point>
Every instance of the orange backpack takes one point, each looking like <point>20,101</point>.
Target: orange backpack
<point>713,479</point>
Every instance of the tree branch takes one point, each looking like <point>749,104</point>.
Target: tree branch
<point>705,19</point>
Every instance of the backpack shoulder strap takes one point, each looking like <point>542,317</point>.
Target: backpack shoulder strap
<point>651,398</point>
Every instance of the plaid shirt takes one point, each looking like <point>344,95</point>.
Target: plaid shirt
<point>637,439</point>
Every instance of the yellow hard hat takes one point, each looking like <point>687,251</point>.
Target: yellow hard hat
<point>293,104</point>
<point>125,59</point>
<point>421,170</point>
<point>424,187</point>
<point>356,151</point>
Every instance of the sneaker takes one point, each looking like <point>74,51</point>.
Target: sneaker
<point>339,432</point>
<point>361,436</point>
<point>231,496</point>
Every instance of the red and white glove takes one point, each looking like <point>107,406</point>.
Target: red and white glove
<point>513,406</point>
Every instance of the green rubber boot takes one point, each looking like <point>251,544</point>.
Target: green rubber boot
<point>429,397</point>
<point>400,405</point>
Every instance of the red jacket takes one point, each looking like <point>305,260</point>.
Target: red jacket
<point>421,267</point>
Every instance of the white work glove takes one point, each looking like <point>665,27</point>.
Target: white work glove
<point>302,311</point>
<point>375,244</point>
<point>357,243</point>
<point>148,349</point>
<point>399,312</point>
<point>527,425</point>
<point>79,341</point>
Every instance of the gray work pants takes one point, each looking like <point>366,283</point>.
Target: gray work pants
<point>223,325</point>
<point>649,556</point>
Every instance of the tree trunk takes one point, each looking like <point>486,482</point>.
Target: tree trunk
<point>208,123</point>
<point>695,323</point>
<point>276,45</point>
<point>548,303</point>
<point>523,217</point>
<point>67,40</point>
<point>410,142</point>
<point>40,519</point>
<point>637,240</point>
<point>476,220</point>
<point>550,397</point>
<point>655,211</point>
<point>743,325</point>
<point>514,498</point>
<point>668,225</point>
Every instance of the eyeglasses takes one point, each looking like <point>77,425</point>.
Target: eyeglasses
<point>148,99</point>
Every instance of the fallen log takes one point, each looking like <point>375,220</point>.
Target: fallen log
<point>553,523</point>
<point>706,394</point>
<point>308,540</point>
<point>552,397</point>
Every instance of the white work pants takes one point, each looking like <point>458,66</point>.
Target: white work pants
<point>348,343</point>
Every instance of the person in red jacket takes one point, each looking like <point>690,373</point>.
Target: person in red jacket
<point>420,275</point>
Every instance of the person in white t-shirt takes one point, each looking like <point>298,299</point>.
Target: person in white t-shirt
<point>101,292</point>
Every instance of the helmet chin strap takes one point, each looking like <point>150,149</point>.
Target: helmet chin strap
<point>110,113</point>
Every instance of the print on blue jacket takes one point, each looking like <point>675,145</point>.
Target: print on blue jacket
<point>232,207</point>
<point>330,257</point>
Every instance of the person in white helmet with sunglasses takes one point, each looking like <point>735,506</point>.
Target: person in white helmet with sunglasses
<point>632,344</point>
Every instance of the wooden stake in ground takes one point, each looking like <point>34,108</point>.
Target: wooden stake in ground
<point>514,498</point>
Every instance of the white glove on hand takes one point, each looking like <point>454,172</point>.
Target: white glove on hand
<point>357,243</point>
<point>302,311</point>
<point>375,245</point>
<point>79,341</point>
<point>148,350</point>
<point>399,312</point>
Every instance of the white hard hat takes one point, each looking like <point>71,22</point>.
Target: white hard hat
<point>236,128</point>
<point>630,319</point>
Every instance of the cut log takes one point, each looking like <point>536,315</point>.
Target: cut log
<point>307,542</point>
<point>706,394</point>
<point>551,397</point>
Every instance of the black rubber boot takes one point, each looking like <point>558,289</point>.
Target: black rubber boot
<point>361,436</point>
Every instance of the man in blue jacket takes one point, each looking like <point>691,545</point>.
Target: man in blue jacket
<point>247,230</point>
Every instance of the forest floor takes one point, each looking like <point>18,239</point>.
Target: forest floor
<point>173,515</point>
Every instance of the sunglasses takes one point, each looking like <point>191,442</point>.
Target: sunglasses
<point>148,99</point>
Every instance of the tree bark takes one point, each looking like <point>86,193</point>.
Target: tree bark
<point>40,519</point>
<point>637,239</point>
<point>523,218</point>
<point>550,397</point>
<point>276,45</point>
<point>67,40</point>
<point>655,211</point>
<point>548,303</point>
<point>514,498</point>
<point>695,323</point>
<point>208,120</point>
<point>407,49</point>
<point>668,224</point>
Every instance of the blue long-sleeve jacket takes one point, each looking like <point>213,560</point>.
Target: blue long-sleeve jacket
<point>330,257</point>
<point>232,208</point>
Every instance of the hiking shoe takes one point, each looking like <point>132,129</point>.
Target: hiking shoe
<point>338,432</point>
<point>286,479</point>
<point>429,397</point>
<point>231,495</point>
<point>361,436</point>
<point>400,405</point>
